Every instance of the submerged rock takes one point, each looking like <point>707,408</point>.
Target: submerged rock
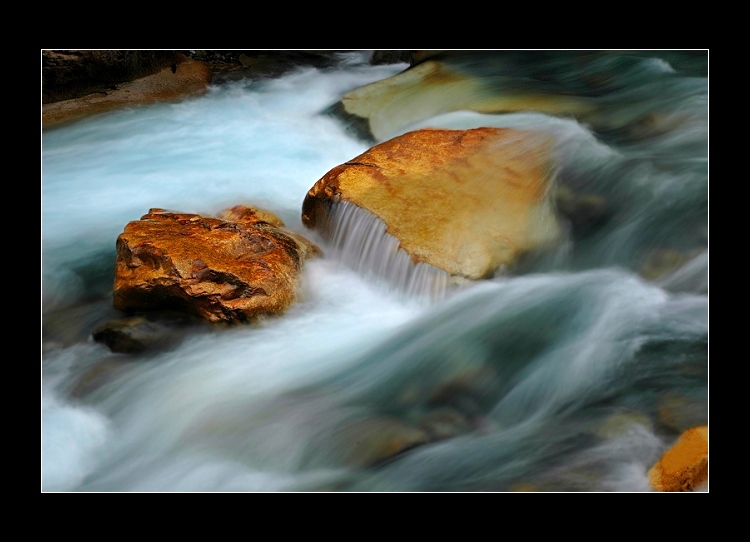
<point>622,423</point>
<point>684,467</point>
<point>585,211</point>
<point>137,334</point>
<point>691,276</point>
<point>679,412</point>
<point>469,202</point>
<point>371,441</point>
<point>98,375</point>
<point>659,263</point>
<point>444,423</point>
<point>219,270</point>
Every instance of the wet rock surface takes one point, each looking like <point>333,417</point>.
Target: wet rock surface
<point>215,269</point>
<point>469,202</point>
<point>684,467</point>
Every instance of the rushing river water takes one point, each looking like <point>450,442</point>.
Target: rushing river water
<point>574,376</point>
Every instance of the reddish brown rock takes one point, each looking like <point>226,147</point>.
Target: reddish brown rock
<point>468,202</point>
<point>256,216</point>
<point>220,270</point>
<point>684,467</point>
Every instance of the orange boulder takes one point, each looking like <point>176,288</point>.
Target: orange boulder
<point>684,467</point>
<point>220,270</point>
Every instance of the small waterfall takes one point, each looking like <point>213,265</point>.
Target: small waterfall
<point>360,240</point>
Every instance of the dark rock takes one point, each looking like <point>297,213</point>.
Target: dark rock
<point>178,80</point>
<point>231,65</point>
<point>81,83</point>
<point>68,74</point>
<point>586,212</point>
<point>138,334</point>
<point>393,57</point>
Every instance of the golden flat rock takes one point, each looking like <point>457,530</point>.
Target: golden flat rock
<point>466,201</point>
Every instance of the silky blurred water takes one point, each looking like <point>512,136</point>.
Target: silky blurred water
<point>575,375</point>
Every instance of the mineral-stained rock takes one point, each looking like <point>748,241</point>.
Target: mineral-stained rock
<point>220,270</point>
<point>465,201</point>
<point>256,216</point>
<point>684,467</point>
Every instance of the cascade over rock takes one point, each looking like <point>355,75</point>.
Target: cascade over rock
<point>232,269</point>
<point>469,202</point>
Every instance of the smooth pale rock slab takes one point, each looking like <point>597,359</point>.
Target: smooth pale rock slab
<point>684,467</point>
<point>219,270</point>
<point>434,87</point>
<point>466,201</point>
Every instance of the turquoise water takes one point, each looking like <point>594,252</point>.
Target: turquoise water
<point>573,376</point>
